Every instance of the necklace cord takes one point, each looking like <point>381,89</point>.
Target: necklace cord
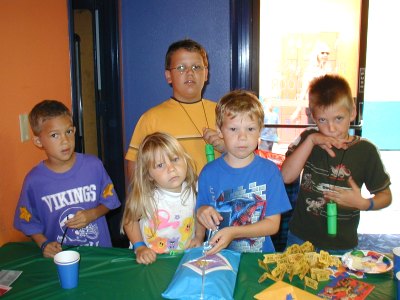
<point>190,118</point>
<point>338,170</point>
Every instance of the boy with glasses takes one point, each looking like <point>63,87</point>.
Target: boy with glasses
<point>185,115</point>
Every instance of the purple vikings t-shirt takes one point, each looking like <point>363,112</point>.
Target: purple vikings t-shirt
<point>48,199</point>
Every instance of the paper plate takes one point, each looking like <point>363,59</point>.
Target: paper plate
<point>367,261</point>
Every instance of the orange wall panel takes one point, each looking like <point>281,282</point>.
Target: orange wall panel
<point>35,65</point>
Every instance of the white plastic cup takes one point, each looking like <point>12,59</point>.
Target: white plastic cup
<point>396,260</point>
<point>68,268</point>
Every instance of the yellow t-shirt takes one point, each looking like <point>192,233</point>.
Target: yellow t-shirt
<point>185,121</point>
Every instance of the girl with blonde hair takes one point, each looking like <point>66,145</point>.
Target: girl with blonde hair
<point>159,211</point>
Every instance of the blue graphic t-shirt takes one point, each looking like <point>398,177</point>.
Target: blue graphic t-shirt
<point>49,199</point>
<point>244,196</point>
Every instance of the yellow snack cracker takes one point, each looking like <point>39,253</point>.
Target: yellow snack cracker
<point>307,247</point>
<point>295,248</point>
<point>336,261</point>
<point>271,277</point>
<point>263,277</point>
<point>311,283</point>
<point>324,257</point>
<point>263,265</point>
<point>280,278</point>
<point>322,277</point>
<point>296,268</point>
<point>277,272</point>
<point>292,258</point>
<point>304,270</point>
<point>269,258</point>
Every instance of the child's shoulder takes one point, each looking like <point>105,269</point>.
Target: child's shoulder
<point>363,143</point>
<point>88,159</point>
<point>38,170</point>
<point>209,102</point>
<point>265,163</point>
<point>168,105</point>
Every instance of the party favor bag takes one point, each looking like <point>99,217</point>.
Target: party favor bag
<point>204,277</point>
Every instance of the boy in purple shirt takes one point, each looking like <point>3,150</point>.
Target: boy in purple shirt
<point>64,198</point>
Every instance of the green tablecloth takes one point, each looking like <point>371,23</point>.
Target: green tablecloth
<point>112,273</point>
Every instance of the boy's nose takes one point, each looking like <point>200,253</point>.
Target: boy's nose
<point>64,138</point>
<point>332,127</point>
<point>189,70</point>
<point>242,135</point>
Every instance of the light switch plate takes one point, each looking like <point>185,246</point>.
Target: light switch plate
<point>24,127</point>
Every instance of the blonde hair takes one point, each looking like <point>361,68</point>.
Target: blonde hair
<point>239,102</point>
<point>140,202</point>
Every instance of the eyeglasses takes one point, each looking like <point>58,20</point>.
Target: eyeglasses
<point>327,53</point>
<point>182,68</point>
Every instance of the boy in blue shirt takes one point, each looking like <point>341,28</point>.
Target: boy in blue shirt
<point>241,193</point>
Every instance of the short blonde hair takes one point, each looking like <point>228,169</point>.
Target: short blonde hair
<point>239,102</point>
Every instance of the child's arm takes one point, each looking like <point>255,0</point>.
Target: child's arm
<point>265,227</point>
<point>49,248</point>
<point>84,217</point>
<point>294,163</point>
<point>353,198</point>
<point>199,235</point>
<point>144,255</point>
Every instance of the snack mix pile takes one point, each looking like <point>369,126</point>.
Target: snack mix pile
<point>300,260</point>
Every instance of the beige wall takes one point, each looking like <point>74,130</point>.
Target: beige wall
<point>34,65</point>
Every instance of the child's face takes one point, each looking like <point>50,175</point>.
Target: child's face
<point>187,86</point>
<point>169,174</point>
<point>57,138</point>
<point>334,121</point>
<point>241,139</point>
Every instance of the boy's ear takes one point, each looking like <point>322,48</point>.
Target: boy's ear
<point>219,133</point>
<point>353,114</point>
<point>167,74</point>
<point>36,141</point>
<point>206,75</point>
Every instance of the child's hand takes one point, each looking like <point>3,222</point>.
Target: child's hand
<point>327,142</point>
<point>212,137</point>
<point>145,255</point>
<point>81,219</point>
<point>346,197</point>
<point>209,217</point>
<point>195,242</point>
<point>221,240</point>
<point>51,249</point>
